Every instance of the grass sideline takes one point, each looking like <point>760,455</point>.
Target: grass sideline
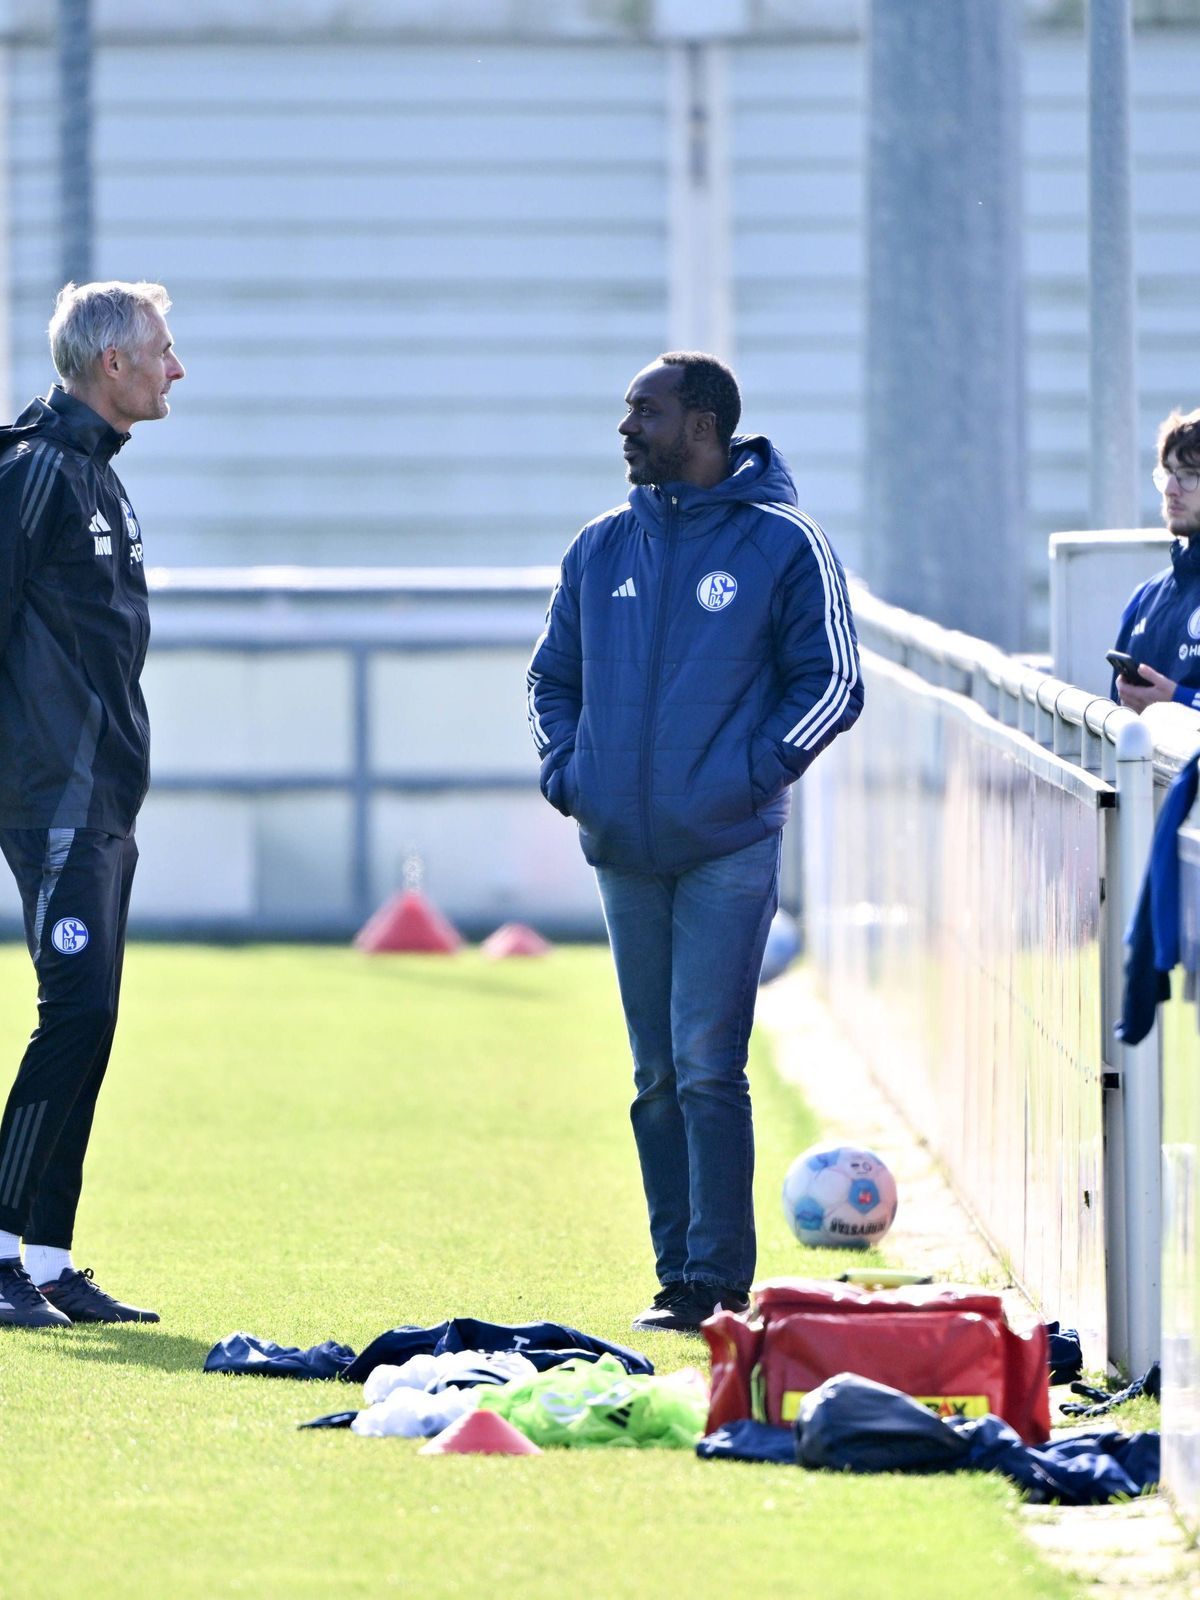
<point>306,1143</point>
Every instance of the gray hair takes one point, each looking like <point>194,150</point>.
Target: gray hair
<point>91,318</point>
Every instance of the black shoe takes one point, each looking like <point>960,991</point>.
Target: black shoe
<point>23,1306</point>
<point>83,1300</point>
<point>685,1306</point>
<point>666,1296</point>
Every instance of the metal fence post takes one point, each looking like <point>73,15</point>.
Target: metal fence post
<point>1112,290</point>
<point>75,70</point>
<point>1140,1102</point>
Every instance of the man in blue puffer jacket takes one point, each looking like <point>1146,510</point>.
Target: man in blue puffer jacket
<point>1160,626</point>
<point>699,652</point>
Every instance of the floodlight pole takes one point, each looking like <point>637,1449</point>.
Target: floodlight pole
<point>945,386</point>
<point>701,300</point>
<point>1112,290</point>
<point>700,293</point>
<point>75,139</point>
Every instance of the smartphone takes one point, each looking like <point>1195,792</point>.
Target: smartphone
<point>1126,667</point>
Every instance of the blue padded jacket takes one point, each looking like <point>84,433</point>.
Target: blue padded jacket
<point>699,652</point>
<point>1160,625</point>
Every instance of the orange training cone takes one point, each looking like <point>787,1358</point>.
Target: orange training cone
<point>514,939</point>
<point>480,1433</point>
<point>407,922</point>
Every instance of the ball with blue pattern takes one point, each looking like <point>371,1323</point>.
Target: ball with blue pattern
<point>839,1196</point>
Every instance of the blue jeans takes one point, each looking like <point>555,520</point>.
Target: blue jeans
<point>688,950</point>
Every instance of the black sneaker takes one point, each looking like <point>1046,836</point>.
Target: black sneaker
<point>666,1297</point>
<point>23,1306</point>
<point>83,1300</point>
<point>689,1305</point>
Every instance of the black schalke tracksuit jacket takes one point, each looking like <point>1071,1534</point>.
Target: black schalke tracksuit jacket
<point>74,625</point>
<point>74,763</point>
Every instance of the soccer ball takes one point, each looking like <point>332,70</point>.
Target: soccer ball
<point>839,1195</point>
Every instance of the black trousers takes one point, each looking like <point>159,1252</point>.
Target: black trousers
<point>74,885</point>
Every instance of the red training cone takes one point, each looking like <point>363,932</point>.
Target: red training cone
<point>407,922</point>
<point>480,1433</point>
<point>514,939</point>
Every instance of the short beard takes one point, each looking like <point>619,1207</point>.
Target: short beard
<point>1186,527</point>
<point>667,466</point>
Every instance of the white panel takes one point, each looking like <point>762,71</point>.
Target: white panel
<point>324,77</point>
<point>492,858</point>
<point>423,377</point>
<point>200,426</point>
<point>197,859</point>
<point>822,73</point>
<point>797,250</point>
<point>303,854</point>
<point>527,134</point>
<point>210,328</point>
<point>446,248</point>
<point>343,492</point>
<point>238,714</point>
<point>425,232</point>
<point>800,127</point>
<point>219,539</point>
<point>244,260</point>
<point>384,195</point>
<point>432,710</point>
<point>829,189</point>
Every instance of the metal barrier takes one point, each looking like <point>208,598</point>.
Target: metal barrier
<point>1180,1026</point>
<point>972,856</point>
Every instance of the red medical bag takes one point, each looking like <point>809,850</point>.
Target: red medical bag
<point>951,1348</point>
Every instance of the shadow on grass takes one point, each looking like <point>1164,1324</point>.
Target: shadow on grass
<point>129,1344</point>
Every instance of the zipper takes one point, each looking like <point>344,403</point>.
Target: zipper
<point>123,596</point>
<point>657,647</point>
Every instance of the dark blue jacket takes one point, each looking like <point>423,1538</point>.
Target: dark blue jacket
<point>699,652</point>
<point>74,625</point>
<point>1152,937</point>
<point>1160,626</point>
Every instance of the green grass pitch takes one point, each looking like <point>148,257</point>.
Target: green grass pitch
<point>308,1143</point>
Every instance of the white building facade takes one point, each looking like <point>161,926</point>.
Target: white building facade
<point>416,254</point>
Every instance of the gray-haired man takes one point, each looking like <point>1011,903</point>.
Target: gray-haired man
<point>74,762</point>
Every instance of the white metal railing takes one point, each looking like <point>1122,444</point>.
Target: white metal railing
<point>1076,725</point>
<point>1114,746</point>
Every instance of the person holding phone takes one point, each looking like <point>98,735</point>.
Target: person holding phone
<point>1157,654</point>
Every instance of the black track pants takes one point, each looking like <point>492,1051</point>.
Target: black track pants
<point>74,885</point>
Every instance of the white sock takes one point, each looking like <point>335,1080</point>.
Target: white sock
<point>45,1262</point>
<point>10,1245</point>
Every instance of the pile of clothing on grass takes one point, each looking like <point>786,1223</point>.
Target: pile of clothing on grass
<point>941,1383</point>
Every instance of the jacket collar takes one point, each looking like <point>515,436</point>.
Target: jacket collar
<point>757,472</point>
<point>1185,557</point>
<point>86,429</point>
